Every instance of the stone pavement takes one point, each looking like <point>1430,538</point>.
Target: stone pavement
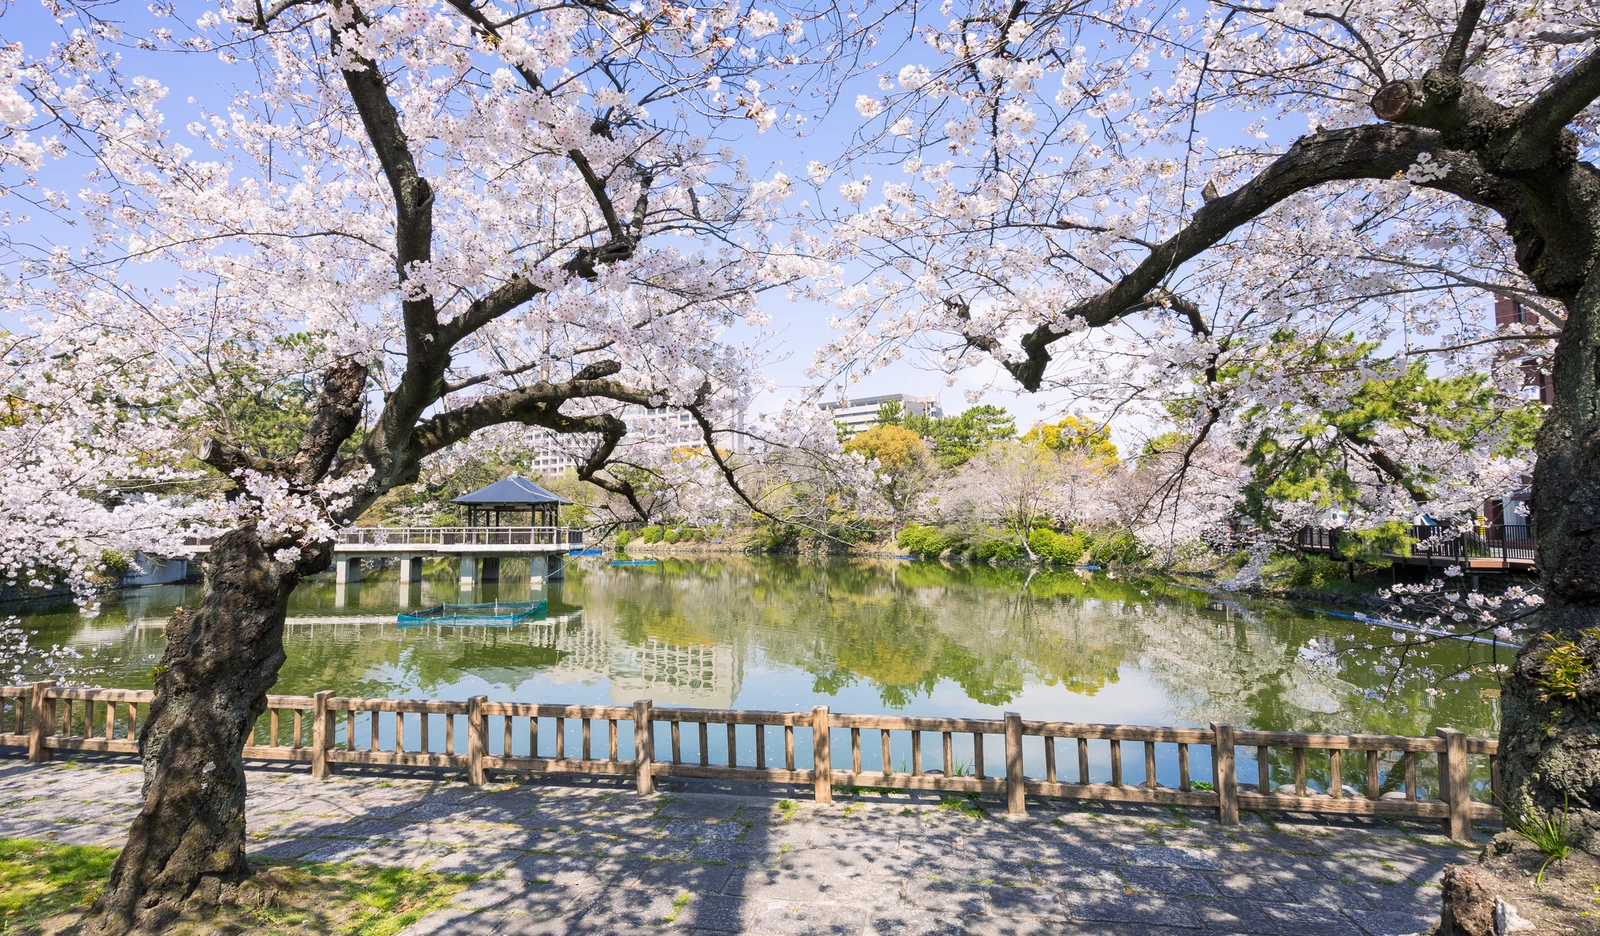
<point>563,857</point>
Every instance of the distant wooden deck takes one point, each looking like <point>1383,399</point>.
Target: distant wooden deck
<point>422,541</point>
<point>1494,549</point>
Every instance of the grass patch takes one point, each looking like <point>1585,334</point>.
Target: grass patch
<point>1548,833</point>
<point>39,880</point>
<point>45,888</point>
<point>678,903</point>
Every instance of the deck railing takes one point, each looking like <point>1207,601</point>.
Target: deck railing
<point>478,735</point>
<point>1510,543</point>
<point>459,536</point>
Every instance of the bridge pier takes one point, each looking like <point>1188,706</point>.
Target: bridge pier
<point>538,569</point>
<point>410,568</point>
<point>469,571</point>
<point>489,568</point>
<point>346,568</point>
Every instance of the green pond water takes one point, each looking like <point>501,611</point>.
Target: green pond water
<point>885,636</point>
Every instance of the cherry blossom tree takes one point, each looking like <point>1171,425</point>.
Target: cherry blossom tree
<point>439,216</point>
<point>1051,202</point>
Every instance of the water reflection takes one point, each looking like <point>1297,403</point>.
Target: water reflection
<point>859,636</point>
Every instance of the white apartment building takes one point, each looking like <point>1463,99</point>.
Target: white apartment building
<point>861,412</point>
<point>671,426</point>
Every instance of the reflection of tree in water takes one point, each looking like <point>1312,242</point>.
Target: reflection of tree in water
<point>900,628</point>
<point>1224,661</point>
<point>685,631</point>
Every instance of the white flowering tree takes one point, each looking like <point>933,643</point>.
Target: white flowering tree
<point>440,216</point>
<point>1053,200</point>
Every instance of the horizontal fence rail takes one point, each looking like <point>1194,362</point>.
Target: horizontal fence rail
<point>1479,546</point>
<point>1343,774</point>
<point>459,536</point>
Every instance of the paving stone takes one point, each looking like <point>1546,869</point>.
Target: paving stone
<point>489,892</point>
<point>1105,906</point>
<point>908,920</point>
<point>1306,921</point>
<point>543,899</point>
<point>476,861</point>
<point>787,919</point>
<point>1075,878</point>
<point>735,853</point>
<point>284,848</point>
<point>954,897</point>
<point>701,807</point>
<point>683,876</point>
<point>716,913</point>
<point>704,829</point>
<point>1170,881</point>
<point>454,923</point>
<point>1249,887</point>
<point>1164,856</point>
<point>637,905</point>
<point>662,849</point>
<point>800,887</point>
<point>88,833</point>
<point>566,869</point>
<point>1383,923</point>
<point>1024,901</point>
<point>824,861</point>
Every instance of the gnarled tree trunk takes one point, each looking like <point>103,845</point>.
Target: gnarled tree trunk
<point>221,659</point>
<point>1550,737</point>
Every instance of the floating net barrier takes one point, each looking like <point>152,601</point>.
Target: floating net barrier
<point>499,613</point>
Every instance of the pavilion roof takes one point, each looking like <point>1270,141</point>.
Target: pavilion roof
<point>514,491</point>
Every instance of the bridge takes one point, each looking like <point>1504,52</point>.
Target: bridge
<point>1495,548</point>
<point>480,549</point>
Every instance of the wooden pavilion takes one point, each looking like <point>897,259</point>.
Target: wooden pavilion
<point>512,501</point>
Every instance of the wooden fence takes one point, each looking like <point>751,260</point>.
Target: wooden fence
<point>461,735</point>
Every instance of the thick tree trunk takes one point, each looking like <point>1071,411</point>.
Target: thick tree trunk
<point>220,660</point>
<point>1550,739</point>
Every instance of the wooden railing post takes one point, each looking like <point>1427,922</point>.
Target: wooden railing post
<point>477,739</point>
<point>42,721</point>
<point>644,748</point>
<point>1455,785</point>
<point>822,755</point>
<point>321,735</point>
<point>1016,793</point>
<point>1224,776</point>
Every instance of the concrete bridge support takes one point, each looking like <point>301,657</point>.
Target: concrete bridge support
<point>410,569</point>
<point>469,571</point>
<point>346,568</point>
<point>538,569</point>
<point>488,568</point>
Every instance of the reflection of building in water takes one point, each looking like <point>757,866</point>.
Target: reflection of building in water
<point>668,674</point>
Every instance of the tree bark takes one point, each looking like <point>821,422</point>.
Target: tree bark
<point>220,660</point>
<point>1550,734</point>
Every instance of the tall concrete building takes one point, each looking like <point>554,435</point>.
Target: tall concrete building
<point>671,426</point>
<point>860,413</point>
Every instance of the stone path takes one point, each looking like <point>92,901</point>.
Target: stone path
<point>595,858</point>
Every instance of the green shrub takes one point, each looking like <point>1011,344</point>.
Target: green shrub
<point>116,563</point>
<point>996,550</point>
<point>776,537</point>
<point>624,537</point>
<point>1063,549</point>
<point>672,535</point>
<point>650,534</point>
<point>1120,546</point>
<point>922,541</point>
<point>1315,572</point>
<point>1372,545</point>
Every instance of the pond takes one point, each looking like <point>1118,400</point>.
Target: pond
<point>917,638</point>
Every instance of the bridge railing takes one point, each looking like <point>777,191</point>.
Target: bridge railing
<point>1511,543</point>
<point>459,536</point>
<point>478,735</point>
